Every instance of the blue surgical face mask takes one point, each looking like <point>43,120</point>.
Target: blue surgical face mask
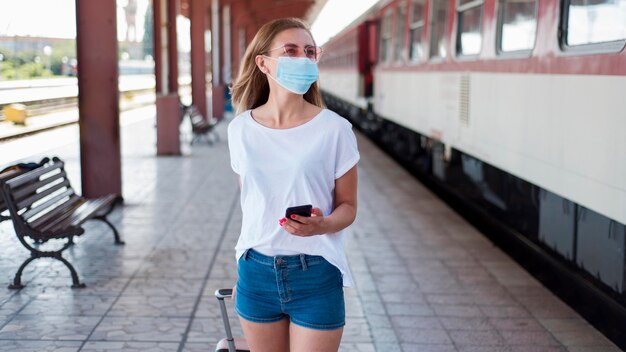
<point>295,74</point>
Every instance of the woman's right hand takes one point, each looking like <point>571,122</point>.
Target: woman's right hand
<point>233,295</point>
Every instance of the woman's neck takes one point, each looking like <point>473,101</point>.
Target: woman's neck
<point>284,108</point>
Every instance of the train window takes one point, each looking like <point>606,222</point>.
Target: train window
<point>385,37</point>
<point>400,27</point>
<point>594,21</point>
<point>517,25</point>
<point>469,38</point>
<point>416,50</point>
<point>439,21</point>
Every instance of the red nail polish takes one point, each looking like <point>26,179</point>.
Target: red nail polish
<point>293,216</point>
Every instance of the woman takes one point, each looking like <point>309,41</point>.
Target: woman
<point>288,151</point>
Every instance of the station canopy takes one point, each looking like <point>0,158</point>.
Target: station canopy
<point>259,12</point>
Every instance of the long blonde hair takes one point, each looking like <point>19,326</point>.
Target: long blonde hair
<point>251,88</point>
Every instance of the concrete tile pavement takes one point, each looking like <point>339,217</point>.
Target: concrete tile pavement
<point>425,279</point>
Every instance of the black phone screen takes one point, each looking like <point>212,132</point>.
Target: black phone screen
<point>302,210</point>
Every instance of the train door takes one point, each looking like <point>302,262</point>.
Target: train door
<point>367,44</point>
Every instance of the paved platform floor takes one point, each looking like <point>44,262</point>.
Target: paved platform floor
<point>425,279</point>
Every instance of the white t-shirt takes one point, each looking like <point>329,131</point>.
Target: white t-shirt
<point>280,168</point>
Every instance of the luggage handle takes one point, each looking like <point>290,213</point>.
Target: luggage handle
<point>221,294</point>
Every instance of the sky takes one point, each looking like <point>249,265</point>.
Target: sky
<point>33,17</point>
<point>56,18</point>
<point>335,16</point>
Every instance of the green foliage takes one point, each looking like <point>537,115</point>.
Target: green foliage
<point>56,65</point>
<point>33,70</point>
<point>22,65</point>
<point>23,57</point>
<point>59,51</point>
<point>7,70</point>
<point>148,28</point>
<point>122,47</point>
<point>64,48</point>
<point>26,71</point>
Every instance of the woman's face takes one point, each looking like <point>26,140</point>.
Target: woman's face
<point>290,42</point>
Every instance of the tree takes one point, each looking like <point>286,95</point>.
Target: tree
<point>147,33</point>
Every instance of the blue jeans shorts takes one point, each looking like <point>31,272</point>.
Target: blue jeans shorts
<point>306,288</point>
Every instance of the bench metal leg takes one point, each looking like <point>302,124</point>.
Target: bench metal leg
<point>206,135</point>
<point>17,281</point>
<point>118,241</point>
<point>75,282</point>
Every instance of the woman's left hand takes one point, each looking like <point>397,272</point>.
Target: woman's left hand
<point>308,226</point>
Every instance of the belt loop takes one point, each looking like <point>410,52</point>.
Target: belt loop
<point>303,261</point>
<point>245,254</point>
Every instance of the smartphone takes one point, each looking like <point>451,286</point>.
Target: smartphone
<point>302,210</point>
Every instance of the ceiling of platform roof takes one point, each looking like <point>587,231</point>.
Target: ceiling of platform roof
<point>261,11</point>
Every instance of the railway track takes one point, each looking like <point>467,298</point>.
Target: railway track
<point>45,116</point>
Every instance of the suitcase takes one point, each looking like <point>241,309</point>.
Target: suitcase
<point>228,344</point>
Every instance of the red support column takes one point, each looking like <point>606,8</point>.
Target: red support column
<point>98,102</point>
<point>168,122</point>
<point>172,45</point>
<point>198,55</point>
<point>166,64</point>
<point>217,95</point>
<point>157,44</point>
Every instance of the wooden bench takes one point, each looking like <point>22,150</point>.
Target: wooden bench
<point>199,126</point>
<point>43,206</point>
<point>3,207</point>
<point>14,171</point>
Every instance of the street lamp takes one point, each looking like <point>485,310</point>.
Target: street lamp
<point>47,50</point>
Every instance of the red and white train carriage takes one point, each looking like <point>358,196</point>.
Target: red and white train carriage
<point>514,109</point>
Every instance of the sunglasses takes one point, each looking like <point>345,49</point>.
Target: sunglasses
<point>311,52</point>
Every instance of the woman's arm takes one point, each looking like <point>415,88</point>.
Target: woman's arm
<point>344,207</point>
<point>343,214</point>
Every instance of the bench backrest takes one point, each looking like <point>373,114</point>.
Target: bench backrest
<point>196,117</point>
<point>39,196</point>
<point>10,172</point>
<point>5,176</point>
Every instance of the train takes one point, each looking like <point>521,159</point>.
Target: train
<point>513,111</point>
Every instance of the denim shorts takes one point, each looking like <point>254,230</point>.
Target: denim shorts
<point>306,288</point>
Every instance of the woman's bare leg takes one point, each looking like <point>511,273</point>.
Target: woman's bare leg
<point>302,339</point>
<point>266,337</point>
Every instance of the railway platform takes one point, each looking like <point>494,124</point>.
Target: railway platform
<point>425,279</point>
